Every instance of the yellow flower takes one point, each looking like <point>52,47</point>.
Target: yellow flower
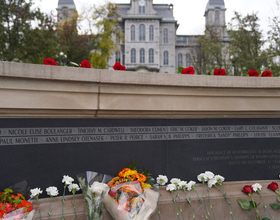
<point>146,185</point>
<point>129,173</point>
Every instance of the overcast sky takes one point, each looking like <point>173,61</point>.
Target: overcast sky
<point>190,13</point>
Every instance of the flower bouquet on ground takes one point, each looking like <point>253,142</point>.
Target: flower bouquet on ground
<point>14,206</point>
<point>130,196</point>
<point>95,188</point>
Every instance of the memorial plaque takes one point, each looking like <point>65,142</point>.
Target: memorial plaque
<point>43,150</point>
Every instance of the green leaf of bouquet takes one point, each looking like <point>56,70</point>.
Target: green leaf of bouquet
<point>278,198</point>
<point>245,74</point>
<point>275,206</point>
<point>252,204</point>
<point>266,218</point>
<point>259,71</point>
<point>209,73</point>
<point>244,204</point>
<point>74,64</point>
<point>180,69</point>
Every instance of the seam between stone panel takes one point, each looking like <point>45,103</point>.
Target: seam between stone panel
<point>98,94</point>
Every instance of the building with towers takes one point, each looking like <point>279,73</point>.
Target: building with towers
<point>150,40</point>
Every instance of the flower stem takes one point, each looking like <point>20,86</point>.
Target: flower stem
<point>211,204</point>
<point>50,208</point>
<point>39,208</point>
<point>201,203</point>
<point>264,206</point>
<point>74,206</point>
<point>205,201</point>
<point>175,205</point>
<point>181,210</point>
<point>158,204</point>
<point>62,217</point>
<point>256,209</point>
<point>189,203</point>
<point>231,209</point>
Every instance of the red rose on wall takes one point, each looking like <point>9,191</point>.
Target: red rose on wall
<point>85,64</point>
<point>247,189</point>
<point>219,72</point>
<point>49,61</point>
<point>188,70</point>
<point>253,73</point>
<point>266,73</point>
<point>273,186</point>
<point>118,66</point>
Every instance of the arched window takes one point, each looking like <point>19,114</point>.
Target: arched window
<point>141,9</point>
<point>165,36</point>
<point>132,34</point>
<point>180,60</point>
<point>165,58</point>
<point>118,57</point>
<point>217,16</point>
<point>142,32</point>
<point>151,32</point>
<point>151,55</point>
<point>133,56</point>
<point>142,55</point>
<point>188,60</point>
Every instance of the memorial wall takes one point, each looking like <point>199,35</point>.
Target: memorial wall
<point>62,120</point>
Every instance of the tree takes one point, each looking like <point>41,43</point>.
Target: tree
<point>246,43</point>
<point>75,46</point>
<point>107,40</point>
<point>211,52</point>
<point>26,34</point>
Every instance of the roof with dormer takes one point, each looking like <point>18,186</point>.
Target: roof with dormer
<point>212,4</point>
<point>66,4</point>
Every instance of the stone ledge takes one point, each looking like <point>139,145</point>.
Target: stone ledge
<point>167,208</point>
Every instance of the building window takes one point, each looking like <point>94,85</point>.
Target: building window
<point>165,36</point>
<point>118,57</point>
<point>141,9</point>
<point>188,60</point>
<point>142,56</point>
<point>142,32</point>
<point>165,58</point>
<point>133,56</point>
<point>132,35</point>
<point>65,15</point>
<point>151,55</point>
<point>180,60</point>
<point>217,17</point>
<point>151,32</point>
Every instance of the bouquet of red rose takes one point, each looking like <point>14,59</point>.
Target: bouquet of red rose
<point>14,206</point>
<point>130,197</point>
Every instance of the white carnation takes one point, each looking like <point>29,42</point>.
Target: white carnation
<point>182,184</point>
<point>190,185</point>
<point>175,181</point>
<point>73,186</point>
<point>67,180</point>
<point>171,187</point>
<point>201,177</point>
<point>35,192</point>
<point>52,191</point>
<point>98,188</point>
<point>209,175</point>
<point>220,179</point>
<point>162,180</point>
<point>212,182</point>
<point>256,187</point>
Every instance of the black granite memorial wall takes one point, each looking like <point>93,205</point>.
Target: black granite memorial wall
<point>43,150</point>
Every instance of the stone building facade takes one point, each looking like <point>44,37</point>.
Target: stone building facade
<point>150,40</point>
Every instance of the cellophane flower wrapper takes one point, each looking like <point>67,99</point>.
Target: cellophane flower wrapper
<point>129,201</point>
<point>19,214</point>
<point>93,201</point>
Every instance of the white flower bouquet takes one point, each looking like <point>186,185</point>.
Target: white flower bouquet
<point>95,189</point>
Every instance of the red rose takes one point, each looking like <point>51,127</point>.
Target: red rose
<point>219,72</point>
<point>266,73</point>
<point>247,189</point>
<point>253,73</point>
<point>273,186</point>
<point>188,70</point>
<point>85,64</point>
<point>49,61</point>
<point>118,66</point>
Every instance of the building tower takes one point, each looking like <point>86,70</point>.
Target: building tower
<point>65,9</point>
<point>215,18</point>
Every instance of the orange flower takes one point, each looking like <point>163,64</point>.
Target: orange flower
<point>25,204</point>
<point>142,178</point>
<point>121,173</point>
